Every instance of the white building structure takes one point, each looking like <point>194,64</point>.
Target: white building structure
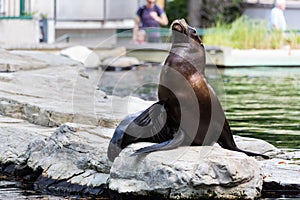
<point>64,20</point>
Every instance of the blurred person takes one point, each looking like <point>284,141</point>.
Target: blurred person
<point>149,17</point>
<point>277,19</point>
<point>141,37</point>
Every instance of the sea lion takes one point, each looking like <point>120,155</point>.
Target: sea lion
<point>189,111</point>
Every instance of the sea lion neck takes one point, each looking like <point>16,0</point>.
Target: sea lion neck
<point>187,44</point>
<point>193,54</point>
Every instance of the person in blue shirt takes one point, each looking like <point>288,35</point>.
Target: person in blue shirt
<point>149,17</point>
<point>277,19</point>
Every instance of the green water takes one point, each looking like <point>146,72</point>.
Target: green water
<point>259,102</point>
<point>264,103</point>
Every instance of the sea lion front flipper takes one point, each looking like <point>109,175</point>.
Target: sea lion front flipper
<point>176,141</point>
<point>148,123</point>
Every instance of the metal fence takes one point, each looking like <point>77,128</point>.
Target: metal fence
<point>15,9</point>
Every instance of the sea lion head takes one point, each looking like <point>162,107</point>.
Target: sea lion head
<point>183,33</point>
<point>187,48</point>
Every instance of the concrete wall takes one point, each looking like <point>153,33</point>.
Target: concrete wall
<point>104,38</point>
<point>18,32</point>
<point>292,14</point>
<point>89,21</point>
<point>45,7</point>
<point>80,10</point>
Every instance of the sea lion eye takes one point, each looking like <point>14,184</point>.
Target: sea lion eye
<point>192,31</point>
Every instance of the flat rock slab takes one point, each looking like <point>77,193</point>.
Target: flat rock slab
<point>121,61</point>
<point>282,174</point>
<point>76,155</point>
<point>15,136</point>
<point>49,58</point>
<point>73,153</point>
<point>187,172</point>
<point>12,62</point>
<point>83,55</point>
<point>62,93</point>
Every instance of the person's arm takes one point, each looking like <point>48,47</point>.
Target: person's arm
<point>162,19</point>
<point>275,27</point>
<point>274,20</point>
<point>136,28</point>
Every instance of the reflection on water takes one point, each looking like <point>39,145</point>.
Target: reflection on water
<point>265,103</point>
<point>259,102</point>
<point>11,189</point>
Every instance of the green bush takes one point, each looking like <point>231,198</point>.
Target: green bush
<point>245,33</point>
<point>177,9</point>
<point>227,11</point>
<point>219,11</point>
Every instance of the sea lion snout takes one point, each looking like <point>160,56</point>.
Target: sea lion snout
<point>179,25</point>
<point>185,32</point>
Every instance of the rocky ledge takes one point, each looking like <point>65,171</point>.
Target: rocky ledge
<point>51,135</point>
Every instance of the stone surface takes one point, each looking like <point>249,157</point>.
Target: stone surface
<point>76,153</point>
<point>82,54</point>
<point>115,53</point>
<point>72,158</point>
<point>187,172</point>
<point>72,153</point>
<point>12,62</point>
<point>282,172</point>
<point>120,61</point>
<point>15,136</point>
<point>49,58</point>
<point>62,93</point>
<point>255,145</point>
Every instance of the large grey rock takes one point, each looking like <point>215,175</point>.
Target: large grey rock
<point>122,61</point>
<point>60,94</point>
<point>76,153</point>
<point>82,54</point>
<point>112,53</point>
<point>187,172</point>
<point>256,145</point>
<point>73,153</point>
<point>281,174</point>
<point>15,136</point>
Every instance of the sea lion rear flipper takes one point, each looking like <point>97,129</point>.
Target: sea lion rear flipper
<point>227,142</point>
<point>169,144</point>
